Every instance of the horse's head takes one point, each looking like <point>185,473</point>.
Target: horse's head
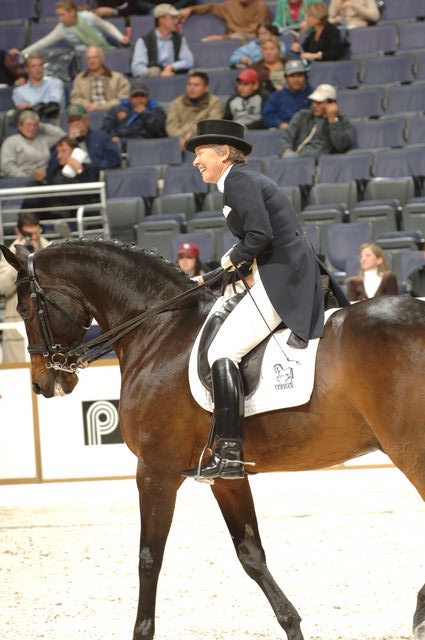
<point>56,318</point>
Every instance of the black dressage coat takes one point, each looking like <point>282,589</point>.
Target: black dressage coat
<point>263,220</point>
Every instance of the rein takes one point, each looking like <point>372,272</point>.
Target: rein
<point>57,356</point>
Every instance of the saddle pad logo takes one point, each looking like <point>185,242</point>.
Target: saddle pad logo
<point>101,423</point>
<point>284,377</point>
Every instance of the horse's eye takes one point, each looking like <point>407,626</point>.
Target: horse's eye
<point>24,312</point>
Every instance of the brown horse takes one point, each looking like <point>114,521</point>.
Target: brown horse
<point>369,393</point>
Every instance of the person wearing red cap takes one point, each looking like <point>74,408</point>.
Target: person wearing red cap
<point>286,280</point>
<point>246,105</point>
<point>188,260</point>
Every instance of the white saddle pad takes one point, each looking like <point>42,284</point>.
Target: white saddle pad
<point>286,379</point>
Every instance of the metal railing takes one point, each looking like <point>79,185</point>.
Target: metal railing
<point>83,219</point>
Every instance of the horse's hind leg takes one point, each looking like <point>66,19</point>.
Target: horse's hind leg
<point>157,498</point>
<point>237,506</point>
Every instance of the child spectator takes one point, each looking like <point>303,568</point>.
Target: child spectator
<point>246,105</point>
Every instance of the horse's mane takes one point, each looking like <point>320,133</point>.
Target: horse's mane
<point>145,261</point>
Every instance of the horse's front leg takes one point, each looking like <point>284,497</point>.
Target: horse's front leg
<point>157,499</point>
<point>237,506</point>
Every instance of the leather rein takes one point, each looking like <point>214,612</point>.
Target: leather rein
<point>57,356</point>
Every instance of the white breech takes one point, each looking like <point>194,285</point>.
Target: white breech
<point>245,327</point>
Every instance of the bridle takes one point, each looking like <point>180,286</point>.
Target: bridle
<point>70,359</point>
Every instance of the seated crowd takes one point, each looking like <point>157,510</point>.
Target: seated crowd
<point>62,132</point>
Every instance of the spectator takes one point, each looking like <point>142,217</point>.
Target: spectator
<point>26,153</point>
<point>271,67</point>
<point>242,17</point>
<point>251,51</point>
<point>324,40</point>
<point>112,8</point>
<point>29,234</point>
<point>197,104</point>
<point>246,105</point>
<point>354,13</point>
<point>320,129</point>
<point>283,104</point>
<point>80,29</point>
<point>188,260</point>
<point>374,278</point>
<point>99,88</point>
<point>11,69</point>
<point>102,151</point>
<point>45,96</point>
<point>73,164</point>
<point>290,13</point>
<point>138,117</point>
<point>163,51</point>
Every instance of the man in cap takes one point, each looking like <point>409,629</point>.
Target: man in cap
<point>99,88</point>
<point>102,151</point>
<point>138,117</point>
<point>246,105</point>
<point>320,129</point>
<point>163,51</point>
<point>286,280</point>
<point>195,105</point>
<point>283,104</point>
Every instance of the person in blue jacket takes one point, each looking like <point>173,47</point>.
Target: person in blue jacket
<point>283,104</point>
<point>136,117</point>
<point>251,52</point>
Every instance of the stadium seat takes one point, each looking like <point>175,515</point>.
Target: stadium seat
<point>401,189</point>
<point>216,224</point>
<point>413,215</point>
<point>14,35</point>
<point>156,151</point>
<point>265,142</point>
<point>365,102</point>
<point>213,201</point>
<point>13,10</point>
<point>175,203</point>
<point>343,240</point>
<point>183,178</point>
<point>197,27</point>
<point>387,132</point>
<point>400,9</point>
<point>210,55</point>
<point>405,99</point>
<point>166,89</point>
<point>222,83</point>
<point>321,218</point>
<point>288,172</point>
<point>420,66</point>
<point>339,73</point>
<point>381,216</point>
<point>345,168</point>
<point>344,193</point>
<point>388,69</point>
<point>412,36</point>
<point>294,194</point>
<point>415,130</point>
<point>313,235</point>
<point>157,235</point>
<point>377,39</point>
<point>131,182</point>
<point>124,214</point>
<point>6,101</point>
<point>409,261</point>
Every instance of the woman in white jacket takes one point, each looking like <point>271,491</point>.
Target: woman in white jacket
<point>353,13</point>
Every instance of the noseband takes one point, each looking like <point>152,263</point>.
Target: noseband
<point>55,355</point>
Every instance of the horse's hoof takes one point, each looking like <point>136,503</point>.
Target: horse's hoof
<point>419,632</point>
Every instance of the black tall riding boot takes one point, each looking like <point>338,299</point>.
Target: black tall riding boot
<point>227,458</point>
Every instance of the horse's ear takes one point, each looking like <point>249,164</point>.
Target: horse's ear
<point>18,260</point>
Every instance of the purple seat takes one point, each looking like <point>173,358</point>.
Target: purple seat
<point>412,36</point>
<point>13,35</point>
<point>17,9</point>
<point>291,171</point>
<point>400,9</point>
<point>265,142</point>
<point>373,134</point>
<point>222,83</point>
<point>166,89</point>
<point>148,152</point>
<point>212,54</point>
<point>362,103</point>
<point>377,39</point>
<point>6,101</point>
<point>337,167</point>
<point>416,130</point>
<point>339,73</point>
<point>387,69</point>
<point>197,27</point>
<point>406,99</point>
<point>140,25</point>
<point>400,163</point>
<point>420,66</point>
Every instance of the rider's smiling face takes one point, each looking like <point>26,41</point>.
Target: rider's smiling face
<point>210,163</point>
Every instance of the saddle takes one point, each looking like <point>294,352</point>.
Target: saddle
<point>250,366</point>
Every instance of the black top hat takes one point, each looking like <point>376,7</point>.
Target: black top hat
<point>219,132</point>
